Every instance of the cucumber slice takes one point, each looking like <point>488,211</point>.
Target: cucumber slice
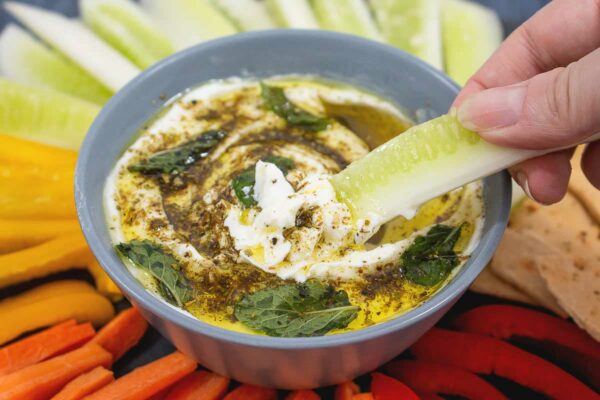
<point>248,15</point>
<point>293,14</point>
<point>24,59</point>
<point>189,22</point>
<point>44,115</point>
<point>413,26</point>
<point>76,42</point>
<point>350,16</point>
<point>471,33</point>
<point>418,165</point>
<point>124,25</point>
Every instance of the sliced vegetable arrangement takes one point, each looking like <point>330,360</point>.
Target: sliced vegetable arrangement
<point>70,361</point>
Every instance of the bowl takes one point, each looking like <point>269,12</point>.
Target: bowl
<point>287,363</point>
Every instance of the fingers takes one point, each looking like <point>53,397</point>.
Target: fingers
<point>551,110</point>
<point>562,32</point>
<point>545,179</point>
<point>590,163</point>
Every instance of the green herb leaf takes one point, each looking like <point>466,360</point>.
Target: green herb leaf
<point>277,102</point>
<point>179,159</point>
<point>243,184</point>
<point>151,257</point>
<point>293,310</point>
<point>430,258</point>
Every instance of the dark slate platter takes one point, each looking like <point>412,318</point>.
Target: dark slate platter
<point>153,346</point>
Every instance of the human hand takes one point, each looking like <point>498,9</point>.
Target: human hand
<point>541,90</point>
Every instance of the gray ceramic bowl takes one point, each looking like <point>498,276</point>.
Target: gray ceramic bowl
<point>267,361</point>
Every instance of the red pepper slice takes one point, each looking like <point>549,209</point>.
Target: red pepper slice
<point>438,378</point>
<point>485,355</point>
<point>384,387</point>
<point>504,321</point>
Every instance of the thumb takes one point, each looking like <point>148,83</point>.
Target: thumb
<point>555,109</point>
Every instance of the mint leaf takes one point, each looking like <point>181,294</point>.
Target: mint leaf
<point>294,310</point>
<point>243,184</point>
<point>151,257</point>
<point>275,99</point>
<point>430,258</point>
<point>178,159</point>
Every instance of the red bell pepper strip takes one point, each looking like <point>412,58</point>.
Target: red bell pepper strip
<point>385,388</point>
<point>504,321</point>
<point>303,395</point>
<point>484,355</point>
<point>438,378</point>
<point>346,390</point>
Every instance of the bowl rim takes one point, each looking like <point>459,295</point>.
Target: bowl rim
<point>132,288</point>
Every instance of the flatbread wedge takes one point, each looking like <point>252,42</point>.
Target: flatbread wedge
<point>577,290</point>
<point>489,283</point>
<point>516,262</point>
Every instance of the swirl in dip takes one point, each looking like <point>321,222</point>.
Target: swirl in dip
<point>223,207</point>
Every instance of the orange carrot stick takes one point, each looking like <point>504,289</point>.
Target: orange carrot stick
<point>122,333</point>
<point>43,345</point>
<point>303,395</point>
<point>363,396</point>
<point>200,385</point>
<point>85,384</point>
<point>346,390</point>
<point>146,381</point>
<point>42,381</point>
<point>251,392</point>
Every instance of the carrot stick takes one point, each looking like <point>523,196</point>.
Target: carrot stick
<point>346,390</point>
<point>85,384</point>
<point>484,355</point>
<point>122,332</point>
<point>303,395</point>
<point>437,378</point>
<point>146,381</point>
<point>363,396</point>
<point>504,322</point>
<point>200,385</point>
<point>251,392</point>
<point>42,381</point>
<point>43,345</point>
<point>384,387</point>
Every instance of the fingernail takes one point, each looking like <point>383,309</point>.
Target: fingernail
<point>493,108</point>
<point>521,179</point>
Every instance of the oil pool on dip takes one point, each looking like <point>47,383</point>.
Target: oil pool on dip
<point>222,207</point>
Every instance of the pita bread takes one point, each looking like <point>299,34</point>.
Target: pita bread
<point>516,261</point>
<point>489,283</point>
<point>565,226</point>
<point>581,188</point>
<point>576,288</point>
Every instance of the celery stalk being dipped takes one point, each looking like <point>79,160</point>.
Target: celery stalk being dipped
<point>422,163</point>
